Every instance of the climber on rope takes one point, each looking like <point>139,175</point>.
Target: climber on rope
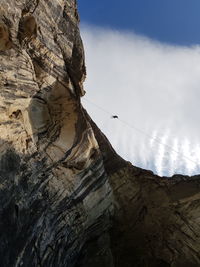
<point>114,117</point>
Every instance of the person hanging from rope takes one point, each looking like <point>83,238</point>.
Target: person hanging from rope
<point>114,117</point>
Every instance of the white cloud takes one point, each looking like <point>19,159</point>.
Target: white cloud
<point>152,86</point>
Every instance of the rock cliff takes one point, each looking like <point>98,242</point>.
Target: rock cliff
<point>67,199</point>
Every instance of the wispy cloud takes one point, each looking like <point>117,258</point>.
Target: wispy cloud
<point>152,86</point>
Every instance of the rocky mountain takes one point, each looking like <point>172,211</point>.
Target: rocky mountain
<point>67,199</point>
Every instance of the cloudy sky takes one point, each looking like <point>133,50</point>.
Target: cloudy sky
<point>145,68</point>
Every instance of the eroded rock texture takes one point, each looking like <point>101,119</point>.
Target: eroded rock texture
<point>66,198</point>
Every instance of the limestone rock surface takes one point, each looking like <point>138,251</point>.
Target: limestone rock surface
<point>67,199</point>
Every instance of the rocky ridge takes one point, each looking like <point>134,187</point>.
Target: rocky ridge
<point>67,199</point>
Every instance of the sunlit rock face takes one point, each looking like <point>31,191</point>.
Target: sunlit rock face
<point>55,194</point>
<point>67,199</point>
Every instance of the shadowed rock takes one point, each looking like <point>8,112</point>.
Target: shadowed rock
<point>5,42</point>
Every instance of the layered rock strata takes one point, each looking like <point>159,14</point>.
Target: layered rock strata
<point>67,199</point>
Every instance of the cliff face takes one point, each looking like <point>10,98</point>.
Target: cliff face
<point>66,198</point>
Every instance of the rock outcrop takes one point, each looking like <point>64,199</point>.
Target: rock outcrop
<point>67,199</point>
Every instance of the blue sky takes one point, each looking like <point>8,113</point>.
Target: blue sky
<point>143,64</point>
<point>169,21</point>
